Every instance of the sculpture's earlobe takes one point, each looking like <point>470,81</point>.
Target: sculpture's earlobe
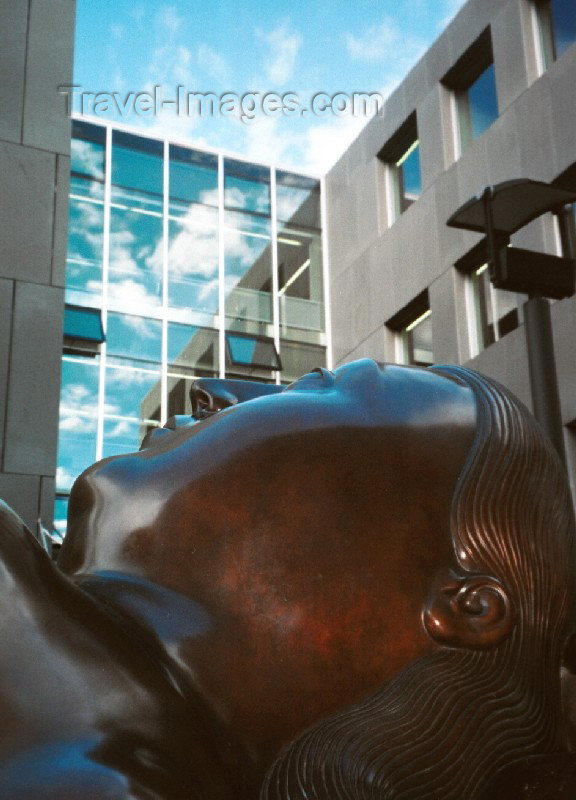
<point>471,611</point>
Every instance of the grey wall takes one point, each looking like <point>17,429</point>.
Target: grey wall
<point>377,268</point>
<point>36,49</point>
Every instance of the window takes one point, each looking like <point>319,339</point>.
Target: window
<point>136,226</point>
<point>473,82</point>
<point>193,233</point>
<point>567,216</point>
<point>247,247</point>
<point>402,156</point>
<point>86,221</point>
<point>299,250</point>
<point>556,28</point>
<point>413,328</point>
<point>491,312</point>
<point>243,350</point>
<point>83,332</point>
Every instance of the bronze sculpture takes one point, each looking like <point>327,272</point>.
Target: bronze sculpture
<point>360,587</point>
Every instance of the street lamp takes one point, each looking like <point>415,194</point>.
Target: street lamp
<point>499,211</point>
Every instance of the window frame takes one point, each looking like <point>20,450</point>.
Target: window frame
<point>401,146</point>
<point>471,266</point>
<point>546,34</point>
<point>461,78</point>
<point>402,325</point>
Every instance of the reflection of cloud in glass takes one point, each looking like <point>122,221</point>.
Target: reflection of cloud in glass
<point>208,290</point>
<point>123,325</point>
<point>130,291</point>
<point>64,479</point>
<point>209,196</point>
<point>77,408</point>
<point>87,159</point>
<point>134,337</point>
<point>121,242</point>
<point>129,379</point>
<point>253,197</point>
<point>84,244</point>
<point>242,251</point>
<point>194,248</point>
<point>134,241</point>
<point>289,201</point>
<point>125,389</point>
<point>122,427</point>
<point>72,419</point>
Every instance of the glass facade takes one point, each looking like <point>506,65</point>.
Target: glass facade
<point>181,264</point>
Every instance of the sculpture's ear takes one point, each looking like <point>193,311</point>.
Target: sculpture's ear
<point>472,611</point>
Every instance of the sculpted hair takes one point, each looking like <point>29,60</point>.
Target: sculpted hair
<point>448,723</point>
<point>512,513</point>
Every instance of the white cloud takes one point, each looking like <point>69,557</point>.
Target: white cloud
<point>385,41</point>
<point>284,44</point>
<point>314,148</point>
<point>376,42</point>
<point>169,67</point>
<point>169,19</point>
<point>212,63</point>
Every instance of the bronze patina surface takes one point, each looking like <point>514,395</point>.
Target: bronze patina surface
<point>358,587</point>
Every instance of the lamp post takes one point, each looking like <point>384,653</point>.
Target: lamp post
<point>499,211</point>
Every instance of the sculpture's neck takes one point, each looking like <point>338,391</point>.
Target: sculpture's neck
<point>442,728</point>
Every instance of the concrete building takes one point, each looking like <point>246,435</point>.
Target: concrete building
<point>491,100</point>
<point>36,47</point>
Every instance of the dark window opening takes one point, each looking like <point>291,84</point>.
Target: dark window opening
<point>402,155</point>
<point>473,81</point>
<point>557,28</point>
<point>413,328</point>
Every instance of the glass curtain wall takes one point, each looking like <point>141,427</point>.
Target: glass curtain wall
<point>132,400</point>
<point>300,275</point>
<point>193,273</point>
<point>198,266</point>
<point>248,270</point>
<point>84,276</point>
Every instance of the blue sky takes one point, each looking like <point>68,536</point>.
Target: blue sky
<point>291,48</point>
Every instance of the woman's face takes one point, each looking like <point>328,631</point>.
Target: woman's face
<point>323,412</point>
<point>306,524</point>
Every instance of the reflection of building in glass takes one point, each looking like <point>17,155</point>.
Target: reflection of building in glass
<point>198,265</point>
